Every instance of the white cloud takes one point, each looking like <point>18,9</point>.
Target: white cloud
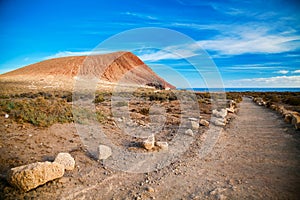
<point>296,71</point>
<point>139,15</point>
<point>277,81</point>
<point>247,43</point>
<point>169,53</point>
<point>254,37</point>
<point>282,72</point>
<point>78,53</point>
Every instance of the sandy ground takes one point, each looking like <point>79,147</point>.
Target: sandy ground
<point>255,157</point>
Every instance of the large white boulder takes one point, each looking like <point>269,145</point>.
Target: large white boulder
<point>28,177</point>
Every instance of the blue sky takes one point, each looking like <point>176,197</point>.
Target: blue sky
<point>253,43</point>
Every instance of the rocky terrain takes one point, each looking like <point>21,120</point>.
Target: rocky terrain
<point>255,157</point>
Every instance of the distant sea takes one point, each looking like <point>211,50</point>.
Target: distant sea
<point>243,89</point>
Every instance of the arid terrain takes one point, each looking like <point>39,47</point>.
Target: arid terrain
<point>254,156</point>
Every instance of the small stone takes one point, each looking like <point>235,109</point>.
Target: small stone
<point>220,114</point>
<point>189,132</point>
<point>149,143</point>
<point>28,177</point>
<point>218,121</point>
<point>104,152</point>
<point>195,125</point>
<point>162,145</point>
<point>221,197</point>
<point>204,122</point>
<point>150,189</point>
<point>66,160</point>
<point>6,116</point>
<point>119,120</point>
<point>230,110</point>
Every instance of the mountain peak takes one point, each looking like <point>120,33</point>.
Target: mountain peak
<point>121,66</point>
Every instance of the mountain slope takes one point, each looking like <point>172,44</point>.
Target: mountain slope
<point>115,67</point>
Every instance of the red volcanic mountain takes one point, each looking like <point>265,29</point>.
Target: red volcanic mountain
<point>123,67</point>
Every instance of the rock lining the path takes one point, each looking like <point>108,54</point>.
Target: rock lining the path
<point>28,177</point>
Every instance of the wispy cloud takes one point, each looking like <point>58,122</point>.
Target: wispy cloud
<point>74,53</point>
<point>277,81</point>
<point>251,43</point>
<point>168,53</point>
<point>247,38</point>
<point>140,15</point>
<point>282,72</point>
<point>296,71</point>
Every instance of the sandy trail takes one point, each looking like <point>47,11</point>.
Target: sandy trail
<point>256,157</point>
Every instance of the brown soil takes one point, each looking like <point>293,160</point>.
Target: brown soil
<point>256,157</point>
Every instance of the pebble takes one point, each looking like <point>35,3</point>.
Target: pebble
<point>189,132</point>
<point>104,152</point>
<point>150,189</point>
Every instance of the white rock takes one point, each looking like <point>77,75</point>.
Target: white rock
<point>218,121</point>
<point>6,116</point>
<point>220,114</point>
<point>149,143</point>
<point>195,125</point>
<point>296,120</point>
<point>204,122</point>
<point>162,145</point>
<point>119,120</point>
<point>66,160</point>
<point>28,177</point>
<point>189,132</point>
<point>193,119</point>
<point>104,152</point>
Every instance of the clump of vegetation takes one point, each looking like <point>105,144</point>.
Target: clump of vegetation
<point>99,98</point>
<point>44,109</point>
<point>39,111</point>
<point>156,85</point>
<point>158,97</point>
<point>293,100</point>
<point>236,96</point>
<point>144,111</point>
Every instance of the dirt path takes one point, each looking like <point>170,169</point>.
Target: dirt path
<point>256,157</point>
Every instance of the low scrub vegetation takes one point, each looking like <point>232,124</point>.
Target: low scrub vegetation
<point>38,111</point>
<point>44,109</point>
